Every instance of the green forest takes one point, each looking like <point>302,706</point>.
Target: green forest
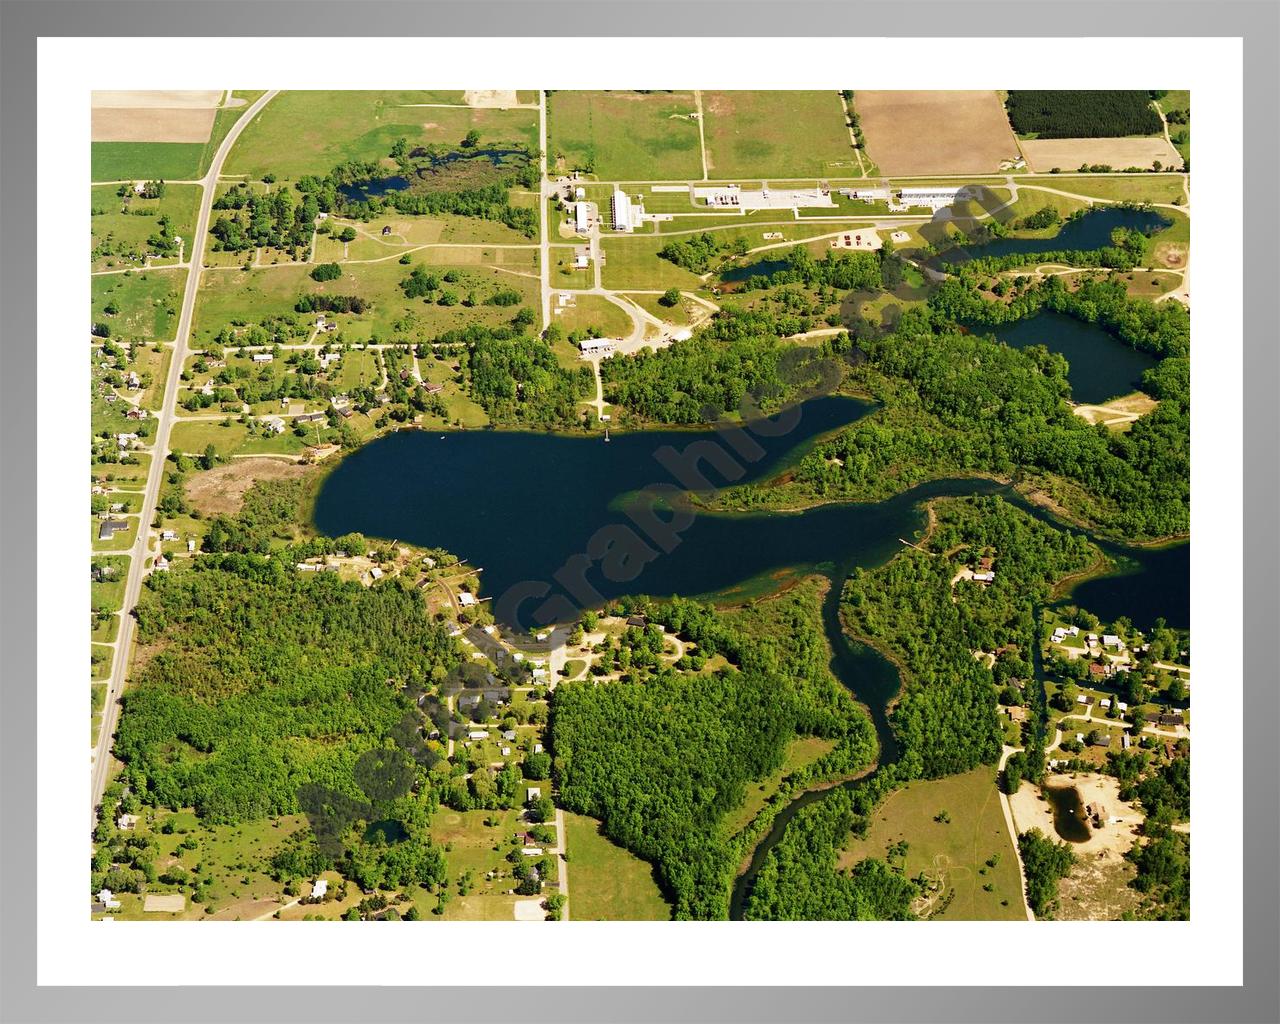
<point>661,762</point>
<point>1082,114</point>
<point>257,680</point>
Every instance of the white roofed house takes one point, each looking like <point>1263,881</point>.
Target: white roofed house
<point>263,357</point>
<point>272,424</point>
<point>466,598</point>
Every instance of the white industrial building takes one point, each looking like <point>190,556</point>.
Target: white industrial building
<point>935,198</point>
<point>596,347</point>
<point>582,218</point>
<point>734,197</point>
<point>628,214</point>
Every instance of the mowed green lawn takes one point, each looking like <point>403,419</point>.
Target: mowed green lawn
<point>777,134</point>
<point>228,296</point>
<point>956,852</point>
<point>305,132</point>
<point>1131,188</point>
<point>624,134</point>
<point>146,303</point>
<point>606,882</point>
<point>123,226</point>
<point>633,262</point>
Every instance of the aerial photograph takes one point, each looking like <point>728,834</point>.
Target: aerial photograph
<point>655,505</point>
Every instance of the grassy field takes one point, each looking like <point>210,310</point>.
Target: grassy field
<point>230,295</point>
<point>97,701</point>
<point>606,882</point>
<point>123,475</point>
<point>147,303</point>
<point>1180,134</point>
<point>1134,188</point>
<point>469,847</point>
<point>121,541</point>
<point>122,226</point>
<point>301,133</point>
<point>783,134</point>
<point>623,134</point>
<point>634,263</point>
<point>955,852</point>
<point>233,439</point>
<point>593,313</point>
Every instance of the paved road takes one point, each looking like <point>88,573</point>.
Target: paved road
<point>164,422</point>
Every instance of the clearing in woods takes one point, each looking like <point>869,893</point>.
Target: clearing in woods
<point>609,883</point>
<point>953,848</point>
<point>935,131</point>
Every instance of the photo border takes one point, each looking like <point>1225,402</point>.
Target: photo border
<point>24,22</point>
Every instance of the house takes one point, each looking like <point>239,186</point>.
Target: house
<point>191,546</point>
<point>1111,640</point>
<point>1105,702</point>
<point>432,387</point>
<point>273,424</point>
<point>1121,706</point>
<point>581,260</point>
<point>1125,741</point>
<point>477,734</point>
<point>107,898</point>
<point>984,577</point>
<point>1017,714</point>
<point>263,357</point>
<point>110,527</point>
<point>638,620</point>
<point>1167,718</point>
<point>311,417</point>
<point>1082,699</point>
<point>133,381</point>
<point>506,751</point>
<point>125,440</point>
<point>168,534</point>
<point>318,888</point>
<point>1073,630</point>
<point>161,564</point>
<point>534,793</point>
<point>375,573</point>
<point>510,734</point>
<point>127,822</point>
<point>136,414</point>
<point>985,563</point>
<point>1098,671</point>
<point>537,748</point>
<point>531,851</point>
<point>466,598</point>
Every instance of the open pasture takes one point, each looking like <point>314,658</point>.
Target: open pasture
<point>777,134</point>
<point>955,851</point>
<point>1069,154</point>
<point>311,132</point>
<point>624,134</point>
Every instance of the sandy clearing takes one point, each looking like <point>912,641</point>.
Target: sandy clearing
<point>1031,810</point>
<point>247,910</point>
<point>935,131</point>
<point>221,490</point>
<point>1068,154</point>
<point>529,910</point>
<point>164,903</point>
<point>157,99</point>
<point>152,124</point>
<point>1118,411</point>
<point>501,98</point>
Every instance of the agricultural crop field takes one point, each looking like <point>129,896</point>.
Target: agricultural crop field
<point>935,132</point>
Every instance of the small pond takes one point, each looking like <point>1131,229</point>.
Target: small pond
<point>1068,813</point>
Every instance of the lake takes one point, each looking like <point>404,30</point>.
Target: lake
<point>1101,367</point>
<point>361,190</point>
<point>1087,233</point>
<point>1068,813</point>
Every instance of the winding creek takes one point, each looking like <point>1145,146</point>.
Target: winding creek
<point>560,523</point>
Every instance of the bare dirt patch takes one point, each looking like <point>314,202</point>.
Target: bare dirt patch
<point>1119,413</point>
<point>1171,254</point>
<point>221,490</point>
<point>157,98</point>
<point>154,124</point>
<point>246,910</point>
<point>1068,154</point>
<point>935,131</point>
<point>501,98</point>
<point>164,903</point>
